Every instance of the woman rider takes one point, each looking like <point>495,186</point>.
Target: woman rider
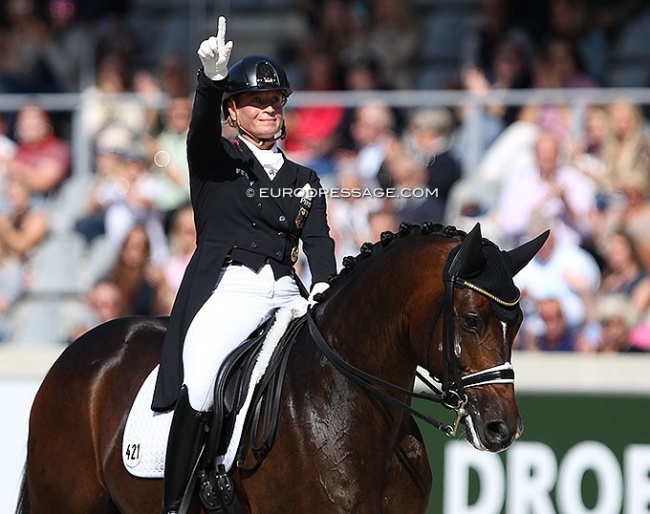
<point>247,239</point>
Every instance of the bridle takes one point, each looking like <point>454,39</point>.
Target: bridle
<point>449,391</point>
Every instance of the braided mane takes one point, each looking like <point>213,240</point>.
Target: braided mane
<point>389,238</point>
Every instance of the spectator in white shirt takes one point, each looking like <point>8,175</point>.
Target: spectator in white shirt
<point>550,189</point>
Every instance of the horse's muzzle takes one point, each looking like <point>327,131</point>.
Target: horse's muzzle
<point>492,426</point>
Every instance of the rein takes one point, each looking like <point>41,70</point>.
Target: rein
<point>370,382</point>
<point>450,392</point>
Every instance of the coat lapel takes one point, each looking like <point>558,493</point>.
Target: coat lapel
<point>285,178</point>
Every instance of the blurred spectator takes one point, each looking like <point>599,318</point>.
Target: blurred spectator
<point>149,96</point>
<point>339,28</point>
<point>174,76</point>
<point>348,212</point>
<point>510,68</point>
<point>8,146</point>
<point>640,334</point>
<point>69,51</point>
<point>630,213</point>
<point>103,302</point>
<point>627,146</point>
<point>559,65</point>
<point>586,151</point>
<point>560,261</point>
<point>616,319</point>
<point>381,221</point>
<point>128,198</point>
<point>393,38</point>
<point>373,132</point>
<point>24,226</point>
<point>428,141</point>
<point>572,21</point>
<point>107,115</point>
<point>109,168</point>
<point>137,277</point>
<point>360,73</point>
<point>513,150</point>
<point>476,195</point>
<point>182,242</point>
<point>493,20</point>
<point>470,143</point>
<point>11,286</point>
<point>408,179</point>
<point>554,333</point>
<point>625,272</point>
<point>42,159</point>
<point>109,21</point>
<point>310,129</point>
<point>168,153</point>
<point>22,69</point>
<point>512,61</point>
<point>550,189</point>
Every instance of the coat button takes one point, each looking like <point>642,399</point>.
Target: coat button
<point>253,244</point>
<point>281,234</point>
<point>278,254</point>
<point>282,218</point>
<point>254,225</point>
<point>259,205</point>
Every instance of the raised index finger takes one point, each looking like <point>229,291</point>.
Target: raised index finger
<point>221,31</point>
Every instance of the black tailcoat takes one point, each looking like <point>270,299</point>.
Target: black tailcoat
<point>236,212</point>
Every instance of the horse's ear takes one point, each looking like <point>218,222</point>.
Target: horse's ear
<point>472,260</point>
<point>523,254</point>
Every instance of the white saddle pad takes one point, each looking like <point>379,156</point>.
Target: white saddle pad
<point>146,432</point>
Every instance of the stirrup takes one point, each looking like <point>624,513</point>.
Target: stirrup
<point>217,492</point>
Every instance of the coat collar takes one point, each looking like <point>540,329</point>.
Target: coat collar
<point>285,178</point>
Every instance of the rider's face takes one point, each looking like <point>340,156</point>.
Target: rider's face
<point>258,112</point>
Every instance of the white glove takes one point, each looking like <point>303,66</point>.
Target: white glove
<point>214,53</point>
<point>318,287</point>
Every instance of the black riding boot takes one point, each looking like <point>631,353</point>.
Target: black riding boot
<point>183,449</point>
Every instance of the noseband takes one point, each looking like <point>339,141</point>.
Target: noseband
<point>450,390</point>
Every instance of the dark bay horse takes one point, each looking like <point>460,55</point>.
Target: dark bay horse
<point>339,448</point>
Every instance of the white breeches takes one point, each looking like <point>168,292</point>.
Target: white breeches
<point>241,300</point>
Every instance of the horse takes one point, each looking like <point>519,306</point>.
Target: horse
<point>426,297</point>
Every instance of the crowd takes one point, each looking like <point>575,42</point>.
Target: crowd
<point>583,173</point>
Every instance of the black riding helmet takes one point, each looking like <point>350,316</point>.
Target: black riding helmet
<point>255,73</point>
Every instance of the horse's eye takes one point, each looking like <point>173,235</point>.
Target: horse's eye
<point>471,321</point>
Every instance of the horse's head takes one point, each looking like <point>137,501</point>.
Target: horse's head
<point>480,318</point>
<point>442,301</point>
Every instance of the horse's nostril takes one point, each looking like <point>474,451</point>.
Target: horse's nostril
<point>497,432</point>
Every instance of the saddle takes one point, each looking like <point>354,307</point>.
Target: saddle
<point>232,383</point>
<point>230,393</point>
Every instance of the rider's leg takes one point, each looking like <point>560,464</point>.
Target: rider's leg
<point>183,450</point>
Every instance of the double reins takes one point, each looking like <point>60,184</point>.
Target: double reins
<point>450,391</point>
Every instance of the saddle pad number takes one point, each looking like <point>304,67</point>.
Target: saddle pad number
<point>132,454</point>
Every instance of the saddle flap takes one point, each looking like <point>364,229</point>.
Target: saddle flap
<point>236,370</point>
<point>232,385</point>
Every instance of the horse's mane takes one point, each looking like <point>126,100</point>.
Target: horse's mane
<point>388,238</point>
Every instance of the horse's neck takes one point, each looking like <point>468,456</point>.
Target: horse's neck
<point>363,323</point>
<point>378,317</point>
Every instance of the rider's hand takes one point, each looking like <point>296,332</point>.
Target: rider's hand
<point>317,289</point>
<point>214,53</point>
